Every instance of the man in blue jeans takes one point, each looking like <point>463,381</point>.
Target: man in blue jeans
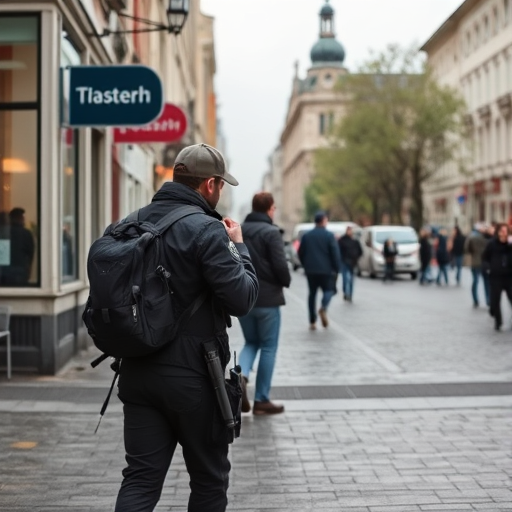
<point>261,325</point>
<point>474,246</point>
<point>320,257</point>
<point>350,252</point>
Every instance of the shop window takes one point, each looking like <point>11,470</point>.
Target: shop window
<point>19,151</point>
<point>69,175</point>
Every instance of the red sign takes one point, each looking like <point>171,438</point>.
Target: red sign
<point>169,127</point>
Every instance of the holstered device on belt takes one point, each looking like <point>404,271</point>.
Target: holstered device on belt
<point>219,383</point>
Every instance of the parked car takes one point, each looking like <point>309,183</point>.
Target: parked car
<point>338,228</point>
<point>372,243</point>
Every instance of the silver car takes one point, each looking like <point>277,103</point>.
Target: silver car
<point>372,242</point>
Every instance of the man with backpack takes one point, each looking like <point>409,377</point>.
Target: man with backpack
<point>168,396</point>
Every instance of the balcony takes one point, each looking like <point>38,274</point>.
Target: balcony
<point>485,113</point>
<point>505,104</point>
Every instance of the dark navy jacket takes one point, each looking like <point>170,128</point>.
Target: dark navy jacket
<point>497,257</point>
<point>200,257</point>
<point>266,248</point>
<point>319,252</point>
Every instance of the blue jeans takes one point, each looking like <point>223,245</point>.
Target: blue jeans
<point>443,271</point>
<point>425,275</point>
<point>347,274</point>
<point>327,283</point>
<point>477,273</point>
<point>261,332</point>
<point>457,264</point>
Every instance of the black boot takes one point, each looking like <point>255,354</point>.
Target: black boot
<point>246,405</point>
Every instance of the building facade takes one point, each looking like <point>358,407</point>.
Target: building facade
<point>314,107</point>
<point>472,52</point>
<point>61,186</point>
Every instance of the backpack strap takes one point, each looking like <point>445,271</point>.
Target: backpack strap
<point>177,214</point>
<point>134,216</point>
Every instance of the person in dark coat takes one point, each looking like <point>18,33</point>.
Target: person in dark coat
<point>474,247</point>
<point>442,256</point>
<point>425,256</point>
<point>457,252</point>
<point>498,257</point>
<point>168,397</point>
<point>350,252</point>
<point>22,251</point>
<point>320,258</point>
<point>261,325</point>
<point>389,251</point>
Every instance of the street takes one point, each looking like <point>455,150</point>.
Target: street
<point>402,404</point>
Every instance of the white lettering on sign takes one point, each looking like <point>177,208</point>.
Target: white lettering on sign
<point>168,125</point>
<point>89,96</point>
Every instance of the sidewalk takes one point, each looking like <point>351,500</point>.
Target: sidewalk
<point>407,428</point>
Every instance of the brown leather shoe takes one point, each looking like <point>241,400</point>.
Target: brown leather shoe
<point>322,313</point>
<point>261,408</point>
<point>246,405</point>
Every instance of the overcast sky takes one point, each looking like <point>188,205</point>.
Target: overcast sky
<point>257,43</point>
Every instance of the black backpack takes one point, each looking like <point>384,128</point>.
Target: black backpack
<point>130,311</point>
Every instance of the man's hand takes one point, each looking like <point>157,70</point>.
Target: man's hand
<point>234,230</point>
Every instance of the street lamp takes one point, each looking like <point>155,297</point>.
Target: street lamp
<point>177,13</point>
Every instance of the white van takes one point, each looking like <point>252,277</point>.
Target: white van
<point>338,228</point>
<point>372,242</point>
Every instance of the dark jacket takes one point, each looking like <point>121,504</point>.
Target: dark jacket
<point>350,250</point>
<point>497,257</point>
<point>266,248</point>
<point>319,252</point>
<point>200,257</point>
<point>425,251</point>
<point>442,255</point>
<point>389,252</point>
<point>458,245</point>
<point>474,246</point>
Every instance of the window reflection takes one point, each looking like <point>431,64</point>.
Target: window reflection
<point>69,149</point>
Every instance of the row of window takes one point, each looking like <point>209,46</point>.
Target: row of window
<point>20,174</point>
<point>488,82</point>
<point>487,26</point>
<point>492,143</point>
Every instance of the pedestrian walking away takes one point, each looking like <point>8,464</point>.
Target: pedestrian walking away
<point>350,252</point>
<point>457,252</point>
<point>320,257</point>
<point>442,256</point>
<point>261,325</point>
<point>474,247</point>
<point>498,257</point>
<point>389,252</point>
<point>425,256</point>
<point>168,397</point>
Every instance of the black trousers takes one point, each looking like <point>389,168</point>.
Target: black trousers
<point>161,411</point>
<point>496,286</point>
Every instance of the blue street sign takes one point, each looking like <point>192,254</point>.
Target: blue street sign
<point>114,95</point>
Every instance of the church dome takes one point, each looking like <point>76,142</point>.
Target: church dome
<point>327,50</point>
<point>326,10</point>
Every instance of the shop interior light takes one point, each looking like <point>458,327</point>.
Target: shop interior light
<point>177,12</point>
<point>14,165</point>
<point>12,64</point>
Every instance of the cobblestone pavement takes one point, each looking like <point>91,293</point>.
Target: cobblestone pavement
<point>377,454</point>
